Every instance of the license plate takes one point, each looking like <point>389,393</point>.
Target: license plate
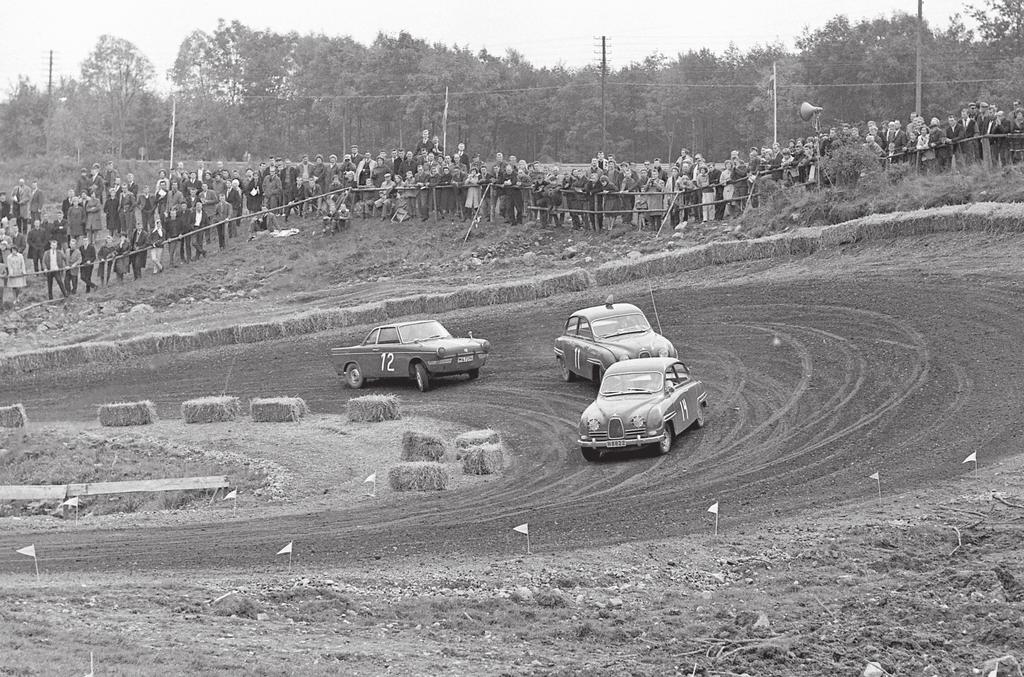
<point>466,358</point>
<point>616,443</point>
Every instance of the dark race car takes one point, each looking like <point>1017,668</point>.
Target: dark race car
<point>418,350</point>
<point>596,338</point>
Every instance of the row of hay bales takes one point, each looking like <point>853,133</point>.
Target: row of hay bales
<point>424,457</point>
<point>304,323</point>
<point>201,410</point>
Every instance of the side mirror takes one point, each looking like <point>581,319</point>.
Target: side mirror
<point>470,334</point>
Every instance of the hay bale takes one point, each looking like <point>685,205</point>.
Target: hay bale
<point>419,476</point>
<point>128,413</point>
<point>485,459</point>
<point>13,416</point>
<point>373,408</point>
<point>422,446</point>
<point>277,409</point>
<point>475,438</point>
<point>212,409</point>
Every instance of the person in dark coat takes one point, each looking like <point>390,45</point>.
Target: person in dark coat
<point>88,251</point>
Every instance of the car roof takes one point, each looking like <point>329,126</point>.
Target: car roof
<point>399,325</point>
<point>641,364</point>
<point>595,312</point>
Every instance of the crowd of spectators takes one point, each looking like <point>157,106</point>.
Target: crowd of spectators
<point>111,226</point>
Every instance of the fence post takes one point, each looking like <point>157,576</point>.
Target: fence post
<point>986,152</point>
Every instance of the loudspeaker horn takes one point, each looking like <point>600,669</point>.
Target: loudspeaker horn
<point>807,111</point>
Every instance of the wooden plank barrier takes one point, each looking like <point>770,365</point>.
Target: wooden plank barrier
<point>63,491</point>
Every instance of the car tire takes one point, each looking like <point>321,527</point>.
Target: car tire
<point>591,455</point>
<point>567,374</point>
<point>665,446</point>
<point>473,374</point>
<point>701,419</point>
<point>354,377</point>
<point>422,377</point>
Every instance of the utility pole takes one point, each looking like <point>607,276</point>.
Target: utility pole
<point>775,104</point>
<point>604,77</point>
<point>49,78</point>
<point>917,80</point>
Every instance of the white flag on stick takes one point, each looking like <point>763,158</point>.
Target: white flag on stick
<point>973,458</point>
<point>230,495</point>
<point>28,551</point>
<point>371,478</point>
<point>523,529</point>
<point>71,502</point>
<point>286,550</point>
<point>714,508</point>
<point>873,476</point>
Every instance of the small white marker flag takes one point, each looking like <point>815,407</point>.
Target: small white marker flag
<point>29,551</point>
<point>371,478</point>
<point>522,528</point>
<point>71,502</point>
<point>286,550</point>
<point>714,509</point>
<point>873,476</point>
<point>973,458</point>
<point>230,495</point>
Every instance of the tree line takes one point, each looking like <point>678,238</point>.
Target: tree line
<point>239,91</point>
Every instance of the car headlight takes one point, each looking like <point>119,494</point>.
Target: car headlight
<point>637,421</point>
<point>485,346</point>
<point>655,420</point>
<point>593,425</point>
<point>441,351</point>
<point>663,352</point>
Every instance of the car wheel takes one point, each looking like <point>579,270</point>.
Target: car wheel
<point>592,455</point>
<point>422,377</point>
<point>354,377</point>
<point>665,445</point>
<point>701,421</point>
<point>567,374</point>
<point>474,374</point>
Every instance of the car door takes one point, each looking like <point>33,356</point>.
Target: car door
<point>569,344</point>
<point>682,401</point>
<point>587,356</point>
<point>363,354</point>
<point>385,359</point>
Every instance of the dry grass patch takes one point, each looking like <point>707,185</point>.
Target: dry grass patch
<point>13,416</point>
<point>213,409</point>
<point>128,413</point>
<point>419,476</point>
<point>417,446</point>
<point>277,409</point>
<point>373,408</point>
<point>485,459</point>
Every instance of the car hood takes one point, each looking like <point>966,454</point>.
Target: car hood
<point>454,345</point>
<point>623,406</point>
<point>634,344</point>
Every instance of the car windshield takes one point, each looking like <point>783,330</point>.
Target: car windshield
<point>633,382</point>
<point>423,331</point>
<point>619,325</point>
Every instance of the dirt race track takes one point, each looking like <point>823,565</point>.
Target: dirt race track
<point>893,370</point>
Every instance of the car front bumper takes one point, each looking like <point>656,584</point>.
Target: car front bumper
<point>453,365</point>
<point>624,443</point>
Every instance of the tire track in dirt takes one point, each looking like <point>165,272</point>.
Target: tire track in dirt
<point>896,372</point>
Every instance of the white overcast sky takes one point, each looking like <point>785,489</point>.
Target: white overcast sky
<point>547,33</point>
